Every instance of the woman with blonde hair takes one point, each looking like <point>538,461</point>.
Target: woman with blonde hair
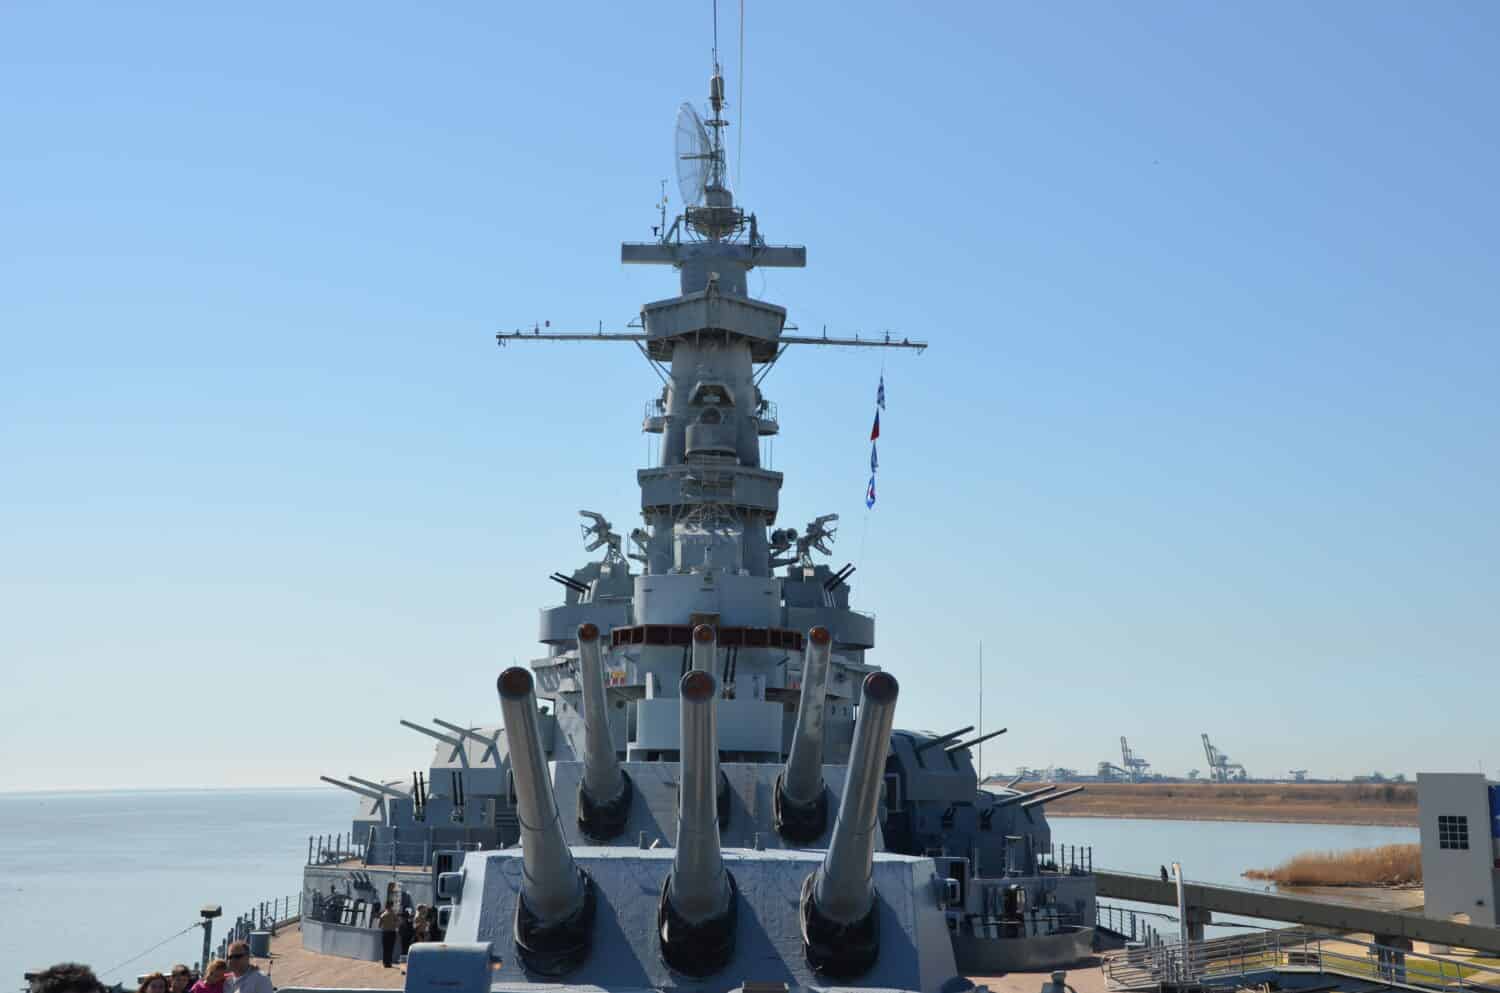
<point>213,978</point>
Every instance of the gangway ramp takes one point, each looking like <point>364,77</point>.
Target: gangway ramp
<point>1203,899</point>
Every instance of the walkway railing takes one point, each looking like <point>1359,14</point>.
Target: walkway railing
<point>331,849</point>
<point>1234,960</point>
<point>268,915</point>
<point>1072,859</point>
<point>1127,923</point>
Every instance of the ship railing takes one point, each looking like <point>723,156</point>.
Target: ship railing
<point>1248,960</point>
<point>331,849</point>
<point>398,853</point>
<point>268,915</point>
<point>1071,860</point>
<point>1122,921</point>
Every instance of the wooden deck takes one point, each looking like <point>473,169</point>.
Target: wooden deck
<point>292,965</point>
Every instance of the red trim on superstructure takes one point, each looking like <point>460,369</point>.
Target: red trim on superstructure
<point>682,634</point>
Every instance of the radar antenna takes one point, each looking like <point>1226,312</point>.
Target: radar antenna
<point>599,534</point>
<point>819,536</point>
<point>702,176</point>
<point>695,157</point>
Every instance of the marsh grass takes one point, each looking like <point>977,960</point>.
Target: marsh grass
<point>1388,865</point>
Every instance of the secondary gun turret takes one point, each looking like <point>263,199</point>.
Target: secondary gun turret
<point>604,792</point>
<point>696,918</point>
<point>840,916</point>
<point>801,802</point>
<point>555,914</point>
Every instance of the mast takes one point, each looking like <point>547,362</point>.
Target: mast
<point>708,502</point>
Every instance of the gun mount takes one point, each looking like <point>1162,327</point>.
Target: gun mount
<point>801,802</point>
<point>840,926</point>
<point>555,912</point>
<point>604,792</point>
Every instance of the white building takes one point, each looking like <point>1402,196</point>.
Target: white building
<point>1459,814</point>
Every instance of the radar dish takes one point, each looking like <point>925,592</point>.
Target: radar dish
<point>695,156</point>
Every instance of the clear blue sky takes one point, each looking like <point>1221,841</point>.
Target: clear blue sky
<point>1206,439</point>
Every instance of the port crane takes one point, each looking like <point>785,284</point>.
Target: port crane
<point>1220,768</point>
<point>1135,767</point>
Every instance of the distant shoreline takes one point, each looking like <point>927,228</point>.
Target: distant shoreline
<point>1354,804</point>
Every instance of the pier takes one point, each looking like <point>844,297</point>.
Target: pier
<point>1389,927</point>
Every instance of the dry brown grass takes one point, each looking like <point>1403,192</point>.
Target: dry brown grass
<point>1388,865</point>
<point>1306,803</point>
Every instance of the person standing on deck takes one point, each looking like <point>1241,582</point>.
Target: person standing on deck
<point>244,977</point>
<point>408,931</point>
<point>390,923</point>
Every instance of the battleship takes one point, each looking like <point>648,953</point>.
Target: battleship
<point>700,784</point>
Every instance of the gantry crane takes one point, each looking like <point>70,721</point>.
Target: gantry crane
<point>1135,766</point>
<point>1220,768</point>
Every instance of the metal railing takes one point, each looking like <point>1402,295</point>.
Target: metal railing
<point>331,849</point>
<point>397,853</point>
<point>1074,860</point>
<point>1126,923</point>
<point>1236,959</point>
<point>268,915</point>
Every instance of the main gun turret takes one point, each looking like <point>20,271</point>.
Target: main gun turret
<point>555,913</point>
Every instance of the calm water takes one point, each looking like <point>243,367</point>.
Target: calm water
<point>98,877</point>
<point>101,876</point>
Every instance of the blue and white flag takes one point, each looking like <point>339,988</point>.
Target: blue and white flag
<point>870,493</point>
<point>880,393</point>
<point>874,461</point>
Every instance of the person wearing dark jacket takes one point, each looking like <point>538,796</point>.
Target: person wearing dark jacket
<point>407,930</point>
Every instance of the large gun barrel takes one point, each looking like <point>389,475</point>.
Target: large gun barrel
<point>1006,801</point>
<point>604,791</point>
<point>1042,801</point>
<point>705,648</point>
<point>696,917</point>
<point>840,917</point>
<point>555,916</point>
<point>801,804</point>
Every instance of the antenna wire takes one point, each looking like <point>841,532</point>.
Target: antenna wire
<point>739,139</point>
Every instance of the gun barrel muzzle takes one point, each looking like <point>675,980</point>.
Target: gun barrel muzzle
<point>556,907</point>
<point>843,888</point>
<point>696,916</point>
<point>698,887</point>
<point>705,648</point>
<point>801,808</point>
<point>840,918</point>
<point>604,792</point>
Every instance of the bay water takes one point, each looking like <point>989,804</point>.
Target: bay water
<point>101,877</point>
